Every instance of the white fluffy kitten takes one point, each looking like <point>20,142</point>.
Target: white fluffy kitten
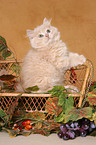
<point>45,63</point>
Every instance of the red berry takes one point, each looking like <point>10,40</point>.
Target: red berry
<point>15,125</point>
<point>28,121</point>
<point>24,123</point>
<point>19,127</point>
<point>28,127</point>
<point>14,128</point>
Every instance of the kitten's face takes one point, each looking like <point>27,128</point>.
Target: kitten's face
<point>43,35</point>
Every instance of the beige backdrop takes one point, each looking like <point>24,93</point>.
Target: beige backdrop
<point>75,19</point>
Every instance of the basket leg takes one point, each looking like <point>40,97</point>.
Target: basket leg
<point>80,101</point>
<point>84,87</point>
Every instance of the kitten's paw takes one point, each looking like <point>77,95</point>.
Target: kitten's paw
<point>71,88</point>
<point>82,59</point>
<point>77,60</point>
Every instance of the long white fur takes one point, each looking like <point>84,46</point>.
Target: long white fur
<point>47,59</point>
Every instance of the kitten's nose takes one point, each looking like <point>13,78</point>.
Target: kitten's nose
<point>46,35</point>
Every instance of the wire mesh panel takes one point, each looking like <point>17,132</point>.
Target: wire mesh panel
<point>6,102</point>
<point>33,103</point>
<point>81,78</point>
<point>75,76</point>
<point>27,102</point>
<point>37,103</point>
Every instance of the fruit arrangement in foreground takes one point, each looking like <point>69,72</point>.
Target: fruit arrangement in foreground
<point>25,124</point>
<point>73,129</point>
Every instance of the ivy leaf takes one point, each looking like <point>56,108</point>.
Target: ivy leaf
<point>12,133</point>
<point>60,117</point>
<point>62,99</point>
<point>3,44</point>
<point>34,88</point>
<point>56,91</point>
<point>12,109</point>
<point>91,99</point>
<point>66,103</point>
<point>75,114</point>
<point>2,47</point>
<point>52,106</point>
<point>38,125</point>
<point>6,53</point>
<point>69,104</point>
<point>19,114</point>
<point>94,91</point>
<point>7,77</point>
<point>47,129</point>
<point>35,116</point>
<point>94,118</point>
<point>41,131</point>
<point>92,87</point>
<point>3,115</point>
<point>52,127</point>
<point>27,133</point>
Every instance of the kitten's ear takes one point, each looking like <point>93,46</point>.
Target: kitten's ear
<point>29,33</point>
<point>45,21</point>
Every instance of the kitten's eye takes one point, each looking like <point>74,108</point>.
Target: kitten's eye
<point>41,35</point>
<point>48,31</point>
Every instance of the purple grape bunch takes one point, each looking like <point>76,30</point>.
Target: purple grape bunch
<point>73,129</point>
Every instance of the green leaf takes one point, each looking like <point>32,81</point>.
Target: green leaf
<point>62,99</point>
<point>6,53</point>
<point>69,104</point>
<point>93,86</point>
<point>2,47</point>
<point>38,125</point>
<point>2,42</point>
<point>60,117</point>
<point>66,103</point>
<point>35,116</point>
<point>3,115</point>
<point>94,91</point>
<point>52,106</point>
<point>27,133</point>
<point>11,109</point>
<point>19,114</point>
<point>7,77</point>
<point>12,133</point>
<point>23,115</point>
<point>94,117</point>
<point>75,114</point>
<point>57,90</point>
<point>91,99</point>
<point>47,128</point>
<point>34,88</point>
